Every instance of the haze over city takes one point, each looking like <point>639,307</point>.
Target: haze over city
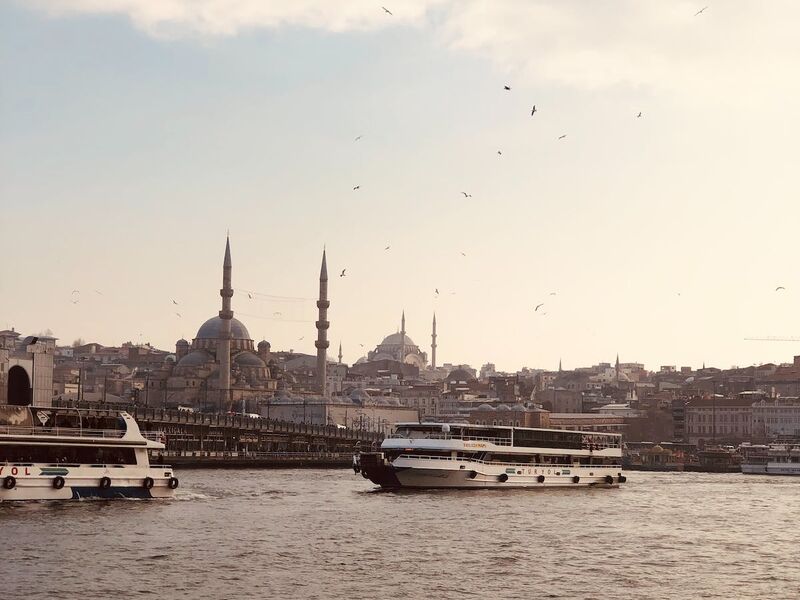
<point>135,135</point>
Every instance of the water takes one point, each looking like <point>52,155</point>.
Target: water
<point>325,534</point>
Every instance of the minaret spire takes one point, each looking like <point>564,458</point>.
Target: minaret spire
<point>224,342</point>
<point>616,369</point>
<point>340,352</point>
<point>403,337</point>
<point>559,365</point>
<point>322,327</point>
<point>433,343</point>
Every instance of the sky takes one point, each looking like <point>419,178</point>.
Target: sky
<point>134,134</point>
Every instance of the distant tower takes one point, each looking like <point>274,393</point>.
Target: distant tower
<point>224,342</point>
<point>433,343</point>
<point>322,328</point>
<point>340,352</point>
<point>616,369</point>
<point>403,337</point>
<point>559,365</point>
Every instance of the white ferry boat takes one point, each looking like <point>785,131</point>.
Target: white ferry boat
<point>441,455</point>
<point>61,454</point>
<point>775,459</point>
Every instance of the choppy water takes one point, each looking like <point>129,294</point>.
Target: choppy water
<point>325,534</point>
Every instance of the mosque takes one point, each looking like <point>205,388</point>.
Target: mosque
<point>401,348</point>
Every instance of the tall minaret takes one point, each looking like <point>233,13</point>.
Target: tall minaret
<point>322,328</point>
<point>616,369</point>
<point>403,337</point>
<point>340,352</point>
<point>559,365</point>
<point>224,342</point>
<point>433,343</point>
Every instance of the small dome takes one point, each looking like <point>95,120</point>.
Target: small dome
<point>181,342</point>
<point>248,359</point>
<point>459,375</point>
<point>486,407</point>
<point>518,407</point>
<point>503,407</point>
<point>264,344</point>
<point>210,330</point>
<point>198,358</point>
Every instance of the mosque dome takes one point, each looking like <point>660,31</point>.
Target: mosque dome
<point>198,358</point>
<point>503,407</point>
<point>248,359</point>
<point>459,375</point>
<point>518,407</point>
<point>396,339</point>
<point>486,407</point>
<point>264,344</point>
<point>181,342</point>
<point>210,330</point>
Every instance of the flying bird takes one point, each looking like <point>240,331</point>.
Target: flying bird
<point>98,292</point>
<point>179,315</point>
<point>780,287</point>
<point>561,137</point>
<point>462,254</point>
<point>499,153</point>
<point>507,88</point>
<point>249,295</point>
<point>533,110</point>
<point>387,247</point>
<point>362,345</point>
<point>301,339</point>
<point>356,187</point>
<point>699,11</point>
<point>466,195</point>
<point>358,137</point>
<point>342,273</point>
<point>175,303</point>
<point>639,116</point>
<point>552,293</point>
<point>277,314</point>
<point>75,296</point>
<point>386,10</point>
<point>437,291</point>
<point>538,306</point>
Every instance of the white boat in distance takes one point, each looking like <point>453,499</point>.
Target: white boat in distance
<point>62,454</point>
<point>442,455</point>
<point>775,459</point>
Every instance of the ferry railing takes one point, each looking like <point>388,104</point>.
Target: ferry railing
<point>446,436</point>
<point>254,455</point>
<point>61,432</point>
<point>504,464</point>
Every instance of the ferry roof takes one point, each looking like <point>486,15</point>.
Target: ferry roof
<point>475,426</point>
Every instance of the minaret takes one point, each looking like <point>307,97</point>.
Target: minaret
<point>433,343</point>
<point>616,369</point>
<point>224,341</point>
<point>403,337</point>
<point>340,352</point>
<point>559,365</point>
<point>322,328</point>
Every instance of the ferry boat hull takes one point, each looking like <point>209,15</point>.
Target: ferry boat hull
<point>771,469</point>
<point>407,473</point>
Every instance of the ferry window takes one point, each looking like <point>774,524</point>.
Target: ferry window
<point>34,453</point>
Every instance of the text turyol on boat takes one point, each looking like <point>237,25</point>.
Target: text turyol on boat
<point>441,455</point>
<point>60,454</point>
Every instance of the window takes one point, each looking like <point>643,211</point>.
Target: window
<point>34,453</point>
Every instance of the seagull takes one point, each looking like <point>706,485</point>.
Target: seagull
<point>466,195</point>
<point>780,287</point>
<point>175,303</point>
<point>356,187</point>
<point>387,247</point>
<point>362,345</point>
<point>462,254</point>
<point>342,273</point>
<point>98,292</point>
<point>437,291</point>
<point>533,110</point>
<point>538,306</point>
<point>358,138</point>
<point>301,339</point>
<point>179,315</point>
<point>249,295</point>
<point>639,116</point>
<point>699,11</point>
<point>499,153</point>
<point>561,137</point>
<point>386,10</point>
<point>507,88</point>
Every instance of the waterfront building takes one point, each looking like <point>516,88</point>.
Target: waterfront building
<point>26,369</point>
<point>718,419</point>
<point>775,418</point>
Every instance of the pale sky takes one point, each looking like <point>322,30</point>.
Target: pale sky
<point>134,133</point>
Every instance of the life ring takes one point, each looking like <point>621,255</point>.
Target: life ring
<point>105,483</point>
<point>58,482</point>
<point>148,483</point>
<point>9,482</point>
<point>609,479</point>
<point>575,479</point>
<point>540,479</point>
<point>172,483</point>
<point>622,478</point>
<point>503,478</point>
<point>472,474</point>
